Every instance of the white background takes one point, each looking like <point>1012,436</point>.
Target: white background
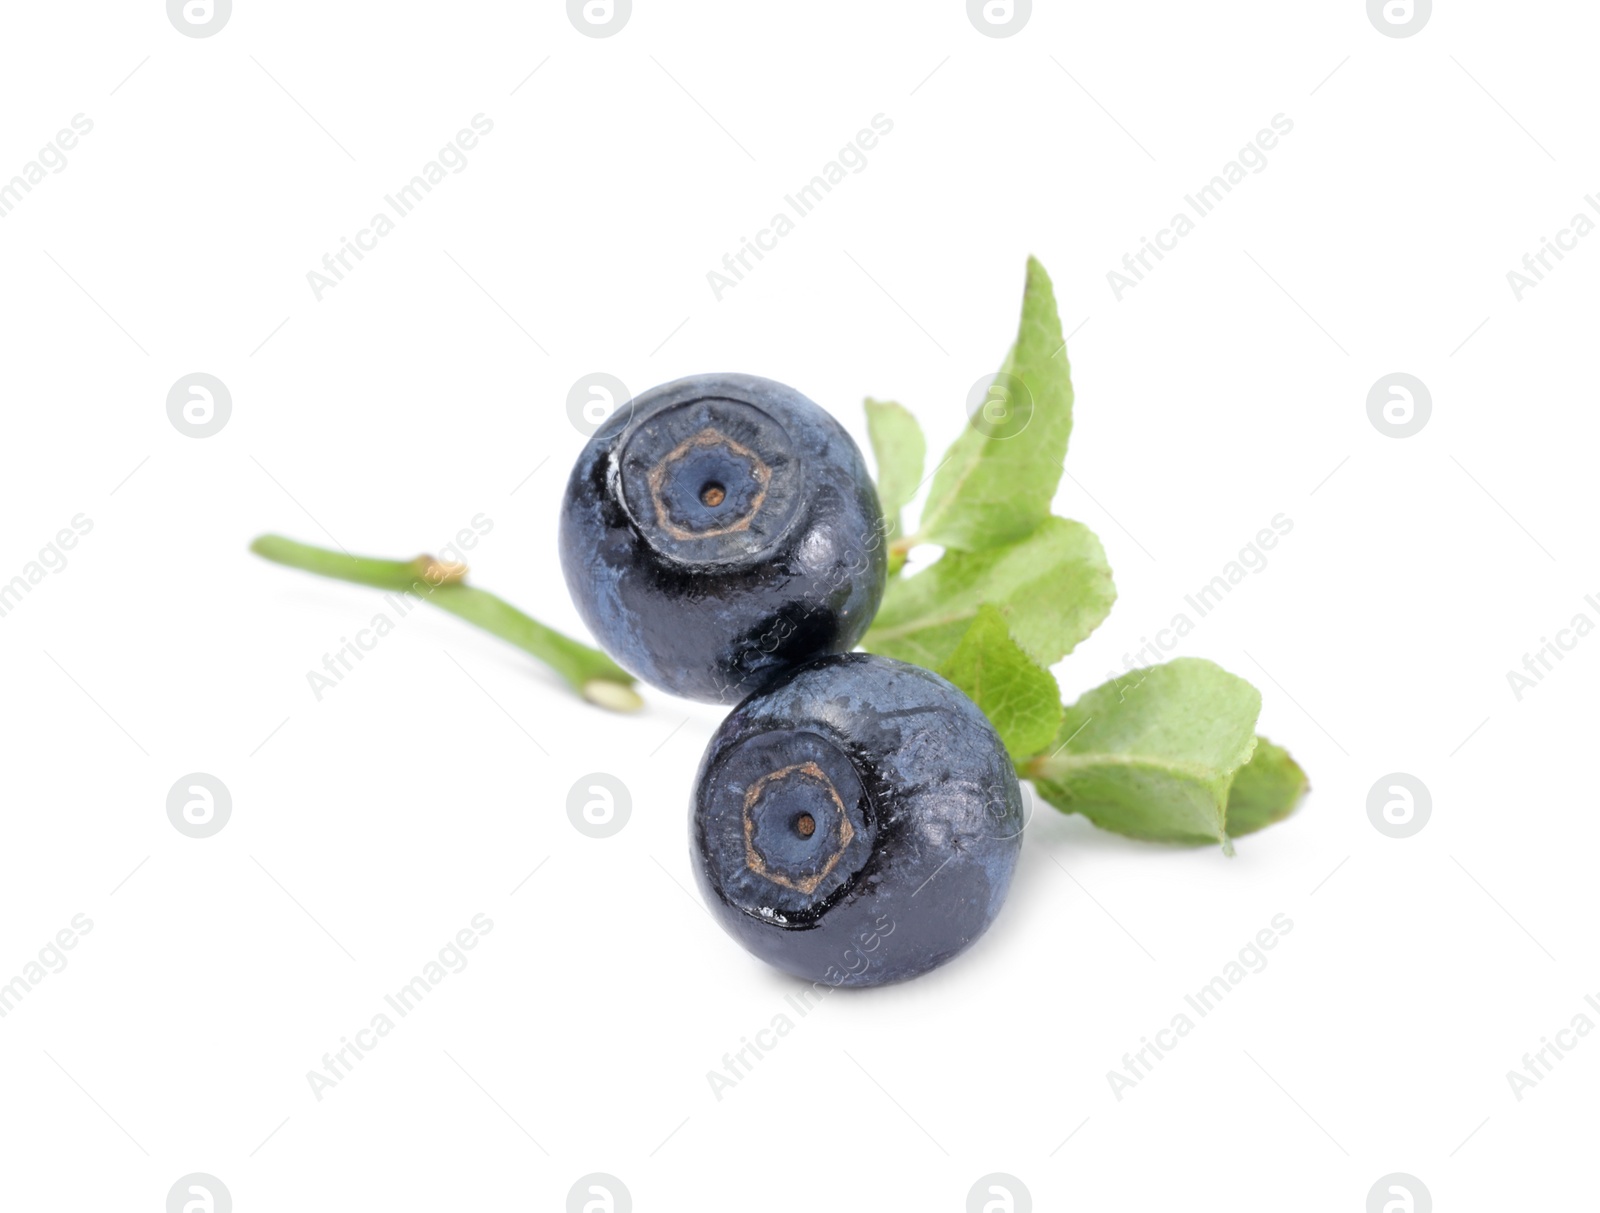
<point>430,386</point>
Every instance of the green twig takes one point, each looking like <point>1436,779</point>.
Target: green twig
<point>589,672</point>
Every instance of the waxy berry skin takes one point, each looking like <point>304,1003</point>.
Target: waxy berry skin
<point>720,529</point>
<point>856,822</point>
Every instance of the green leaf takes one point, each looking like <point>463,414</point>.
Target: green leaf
<point>1153,754</point>
<point>1053,589</point>
<point>1266,789</point>
<point>996,482</point>
<point>1019,696</point>
<point>899,449</point>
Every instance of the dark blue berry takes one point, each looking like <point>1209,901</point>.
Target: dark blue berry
<point>856,822</point>
<point>719,529</point>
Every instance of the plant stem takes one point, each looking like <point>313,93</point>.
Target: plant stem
<point>589,672</point>
<point>897,552</point>
<point>1043,766</point>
